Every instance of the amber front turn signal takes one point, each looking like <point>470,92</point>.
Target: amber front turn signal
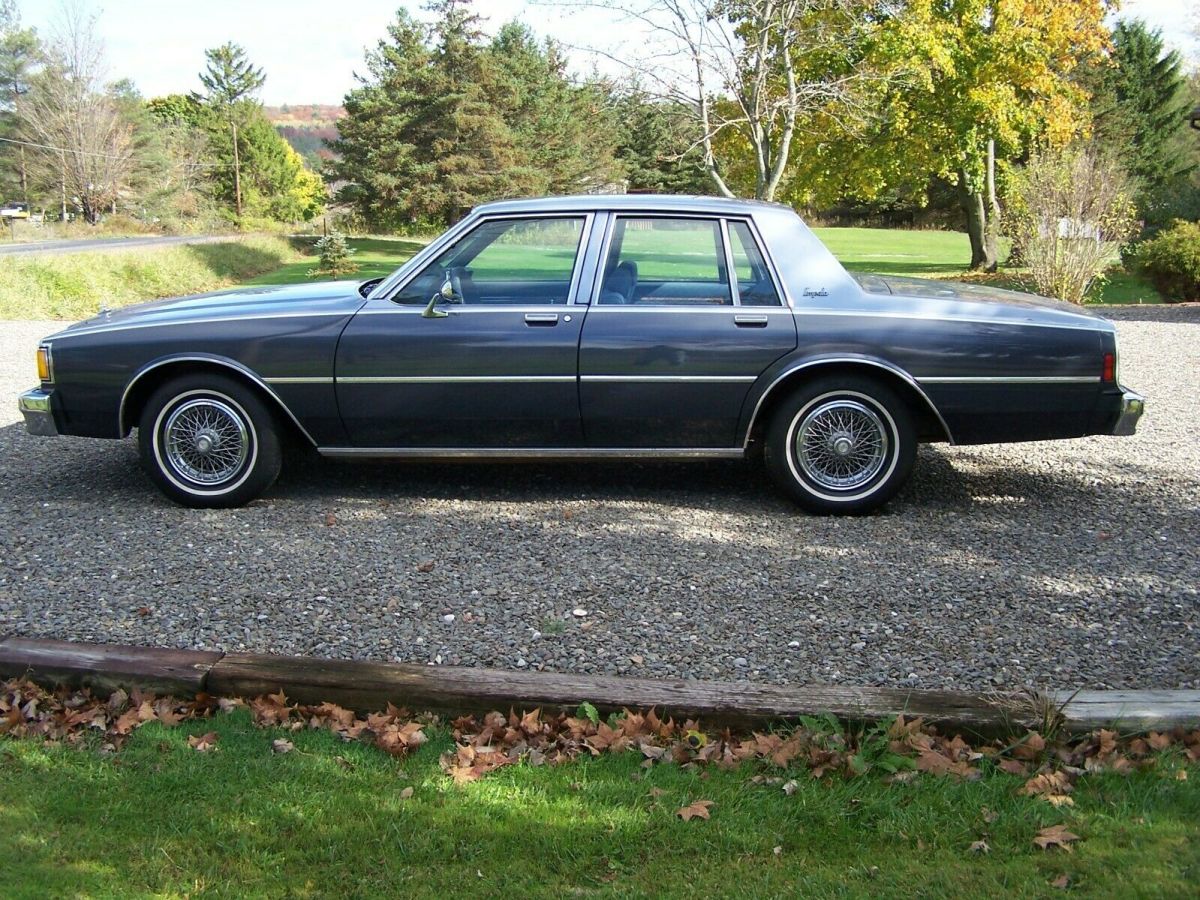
<point>43,363</point>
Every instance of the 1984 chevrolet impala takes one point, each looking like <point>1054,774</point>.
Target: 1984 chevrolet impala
<point>592,327</point>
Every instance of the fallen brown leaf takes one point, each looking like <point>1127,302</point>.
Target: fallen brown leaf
<point>204,742</point>
<point>1158,741</point>
<point>279,745</point>
<point>696,810</point>
<point>406,793</point>
<point>1055,836</point>
<point>1062,882</point>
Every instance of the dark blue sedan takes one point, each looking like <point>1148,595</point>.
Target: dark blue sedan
<point>594,327</point>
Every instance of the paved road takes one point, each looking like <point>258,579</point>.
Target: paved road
<point>1056,564</point>
<point>48,248</point>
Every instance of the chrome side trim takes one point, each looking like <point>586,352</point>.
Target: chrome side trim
<point>1010,379</point>
<point>844,360</point>
<point>532,453</point>
<point>319,379</point>
<point>709,308</point>
<point>674,379</point>
<point>466,308</point>
<point>453,379</point>
<point>1101,325</point>
<point>214,360</point>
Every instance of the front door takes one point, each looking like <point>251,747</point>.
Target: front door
<point>493,365</point>
<point>685,318</point>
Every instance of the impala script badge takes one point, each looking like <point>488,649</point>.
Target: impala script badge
<point>817,293</point>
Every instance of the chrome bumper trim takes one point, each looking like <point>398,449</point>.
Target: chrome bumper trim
<point>1132,407</point>
<point>39,415</point>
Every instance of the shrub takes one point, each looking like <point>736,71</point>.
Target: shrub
<point>334,256</point>
<point>1070,210</point>
<point>1171,260</point>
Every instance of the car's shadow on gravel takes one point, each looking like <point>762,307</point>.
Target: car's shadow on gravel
<point>86,470</point>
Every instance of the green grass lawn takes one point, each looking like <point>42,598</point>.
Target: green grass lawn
<point>921,254</point>
<point>375,256</point>
<point>328,819</point>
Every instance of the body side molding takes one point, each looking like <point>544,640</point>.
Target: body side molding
<point>211,360</point>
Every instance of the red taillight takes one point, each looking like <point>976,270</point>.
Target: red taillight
<point>1110,367</point>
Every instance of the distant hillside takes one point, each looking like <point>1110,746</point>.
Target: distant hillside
<point>307,126</point>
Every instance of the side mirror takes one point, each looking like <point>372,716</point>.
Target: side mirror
<point>445,293</point>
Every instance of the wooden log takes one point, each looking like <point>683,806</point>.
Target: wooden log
<point>106,667</point>
<point>1128,711</point>
<point>366,686</point>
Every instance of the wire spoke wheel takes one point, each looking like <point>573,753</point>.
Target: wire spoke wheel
<point>841,444</point>
<point>206,441</point>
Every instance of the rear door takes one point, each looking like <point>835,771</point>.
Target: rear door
<point>685,316</point>
<point>497,370</point>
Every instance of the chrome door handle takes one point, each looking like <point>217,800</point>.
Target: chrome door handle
<point>750,321</point>
<point>541,318</point>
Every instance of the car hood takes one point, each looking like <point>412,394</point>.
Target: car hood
<point>984,300</point>
<point>322,298</point>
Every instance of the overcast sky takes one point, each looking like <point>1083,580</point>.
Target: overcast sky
<point>311,48</point>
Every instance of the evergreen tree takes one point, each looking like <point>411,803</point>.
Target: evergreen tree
<point>230,83</point>
<point>446,119</point>
<point>20,53</point>
<point>565,132</point>
<point>1139,104</point>
<point>654,145</point>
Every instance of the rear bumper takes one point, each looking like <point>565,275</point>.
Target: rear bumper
<point>38,409</point>
<point>1131,409</point>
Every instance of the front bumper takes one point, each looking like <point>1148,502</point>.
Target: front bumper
<point>1132,407</point>
<point>38,411</point>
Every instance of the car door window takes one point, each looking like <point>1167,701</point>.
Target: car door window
<point>666,262</point>
<point>505,262</point>
<point>755,287</point>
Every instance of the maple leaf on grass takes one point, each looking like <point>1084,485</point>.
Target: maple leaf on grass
<point>696,810</point>
<point>279,745</point>
<point>1055,836</point>
<point>203,743</point>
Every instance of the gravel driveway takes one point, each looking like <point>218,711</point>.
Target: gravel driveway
<point>1071,563</point>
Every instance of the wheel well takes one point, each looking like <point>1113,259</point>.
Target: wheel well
<point>137,396</point>
<point>930,428</point>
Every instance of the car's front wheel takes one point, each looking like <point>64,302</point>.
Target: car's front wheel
<point>208,441</point>
<point>841,444</point>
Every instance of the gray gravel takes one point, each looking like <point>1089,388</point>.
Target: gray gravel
<point>1071,563</point>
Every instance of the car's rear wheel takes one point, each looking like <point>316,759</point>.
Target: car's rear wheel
<point>208,441</point>
<point>841,445</point>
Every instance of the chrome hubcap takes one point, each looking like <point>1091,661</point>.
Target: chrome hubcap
<point>841,444</point>
<point>207,441</point>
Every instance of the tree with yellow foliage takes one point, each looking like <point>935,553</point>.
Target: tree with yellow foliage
<point>963,83</point>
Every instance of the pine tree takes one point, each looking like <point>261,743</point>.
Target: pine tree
<point>20,53</point>
<point>230,82</point>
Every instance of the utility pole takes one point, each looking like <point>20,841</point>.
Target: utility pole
<point>63,183</point>
<point>24,178</point>
<point>237,168</point>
